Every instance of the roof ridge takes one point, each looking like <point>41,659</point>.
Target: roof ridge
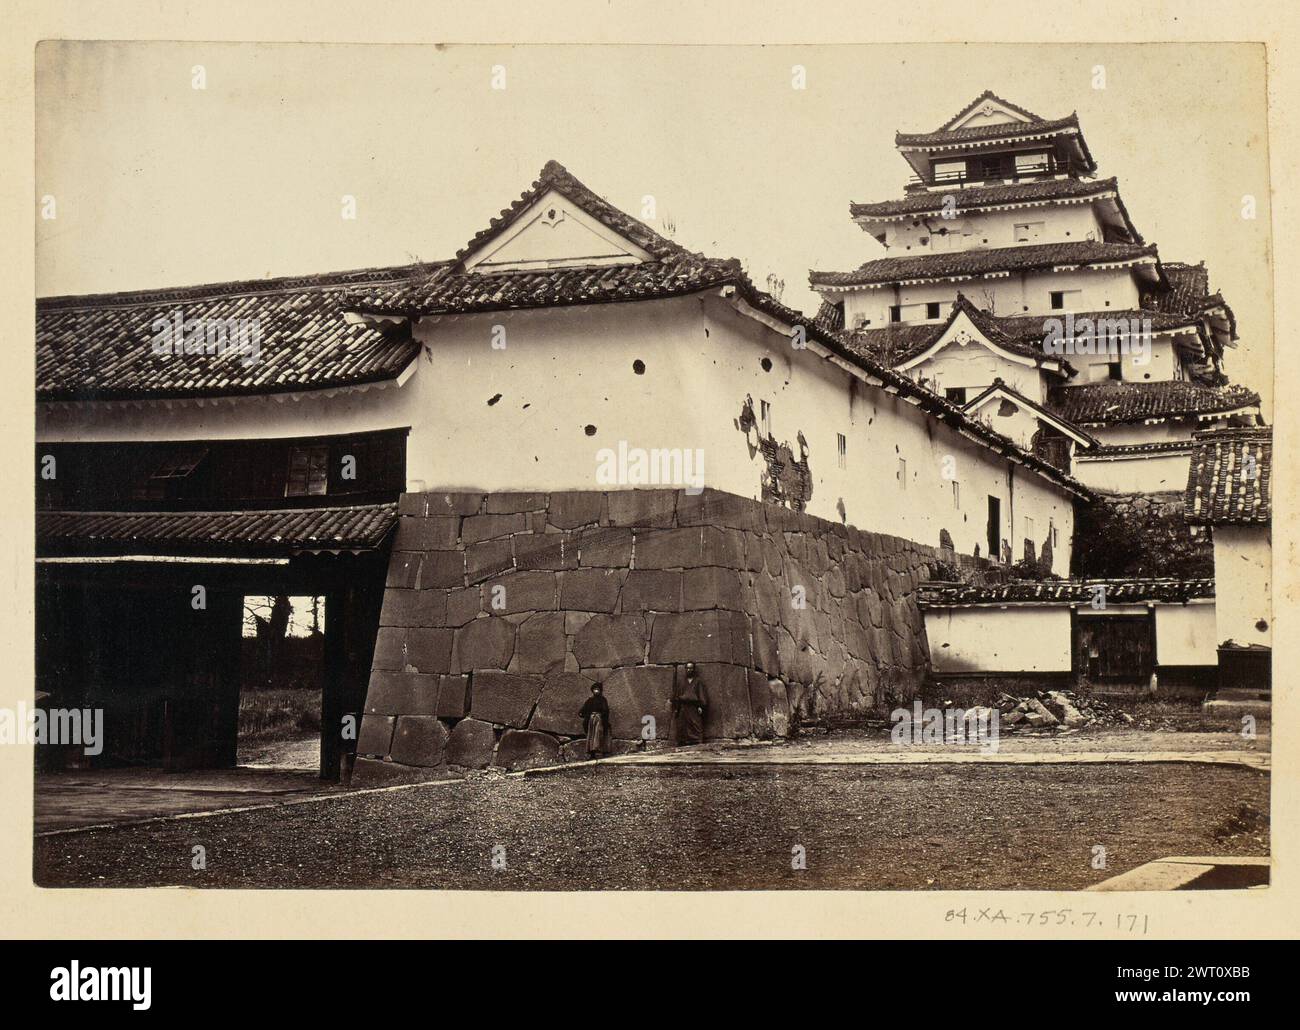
<point>988,94</point>
<point>237,287</point>
<point>555,176</point>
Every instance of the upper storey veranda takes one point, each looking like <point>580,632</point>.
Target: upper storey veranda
<point>992,140</point>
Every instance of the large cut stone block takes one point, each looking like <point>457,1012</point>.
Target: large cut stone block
<point>635,692</point>
<point>527,749</point>
<point>403,569</point>
<point>605,548</point>
<point>652,590</point>
<point>504,698</point>
<point>590,590</point>
<point>463,605</point>
<point>413,608</point>
<point>716,508</point>
<point>471,744</point>
<point>453,697</point>
<point>376,735</point>
<point>442,569</point>
<point>607,641</point>
<point>453,504</point>
<point>540,644</point>
<point>429,650</point>
<point>690,548</point>
<point>715,636</point>
<point>490,527</point>
<point>575,508</point>
<point>489,558</point>
<point>521,592</point>
<point>641,507</point>
<point>553,551</point>
<point>419,740</point>
<point>402,693</point>
<point>426,534</point>
<point>485,643</point>
<point>509,503</point>
<point>729,714</point>
<point>390,649</point>
<point>711,587</point>
<point>562,698</point>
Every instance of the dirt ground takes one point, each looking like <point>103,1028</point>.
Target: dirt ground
<point>691,828</point>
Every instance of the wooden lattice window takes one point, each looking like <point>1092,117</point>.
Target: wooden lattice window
<point>308,471</point>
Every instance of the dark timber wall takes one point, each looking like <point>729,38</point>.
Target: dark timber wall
<point>502,609</point>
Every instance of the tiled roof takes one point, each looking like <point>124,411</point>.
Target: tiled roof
<point>932,201</point>
<point>899,343</point>
<point>1231,477</point>
<point>1116,402</point>
<point>1023,258</point>
<point>830,316</point>
<point>1065,591</point>
<point>1189,286</point>
<point>100,347</point>
<point>1034,327</point>
<point>1000,387</point>
<point>449,292</point>
<point>674,270</point>
<point>1189,295</point>
<point>1125,450</point>
<point>1005,130</point>
<point>215,533</point>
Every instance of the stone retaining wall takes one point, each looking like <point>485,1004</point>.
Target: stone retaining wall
<point>500,610</point>
<point>1139,535</point>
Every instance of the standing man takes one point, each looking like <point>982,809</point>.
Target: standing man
<point>689,703</point>
<point>595,721</point>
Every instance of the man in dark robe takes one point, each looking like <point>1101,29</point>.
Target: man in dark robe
<point>689,703</point>
<point>595,722</point>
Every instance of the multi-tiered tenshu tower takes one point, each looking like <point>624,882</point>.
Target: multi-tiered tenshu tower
<point>1088,349</point>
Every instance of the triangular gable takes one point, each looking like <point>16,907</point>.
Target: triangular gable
<point>559,223</point>
<point>962,331</point>
<point>1000,392</point>
<point>554,232</point>
<point>989,109</point>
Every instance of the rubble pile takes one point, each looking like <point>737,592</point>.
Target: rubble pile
<point>1058,710</point>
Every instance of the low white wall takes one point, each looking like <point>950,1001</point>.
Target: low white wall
<point>1185,634</point>
<point>990,639</point>
<point>1243,572</point>
<point>1155,473</point>
<point>1036,638</point>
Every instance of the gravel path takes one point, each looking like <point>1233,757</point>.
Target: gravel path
<point>647,827</point>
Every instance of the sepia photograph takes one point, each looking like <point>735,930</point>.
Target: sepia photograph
<point>787,480</point>
<point>448,498</point>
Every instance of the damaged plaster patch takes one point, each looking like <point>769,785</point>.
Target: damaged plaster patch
<point>785,480</point>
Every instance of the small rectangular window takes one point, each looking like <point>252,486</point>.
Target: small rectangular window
<point>902,473</point>
<point>843,445</point>
<point>896,312</point>
<point>1029,528</point>
<point>765,416</point>
<point>1058,299</point>
<point>932,309</point>
<point>308,471</point>
<point>1027,232</point>
<point>956,495</point>
<point>1115,369</point>
<point>956,394</point>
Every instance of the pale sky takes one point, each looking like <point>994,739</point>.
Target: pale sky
<point>159,184</point>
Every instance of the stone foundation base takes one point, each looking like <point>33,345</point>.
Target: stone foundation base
<point>501,610</point>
